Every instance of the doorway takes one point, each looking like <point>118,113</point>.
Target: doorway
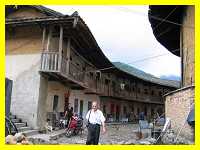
<point>117,112</point>
<point>81,108</point>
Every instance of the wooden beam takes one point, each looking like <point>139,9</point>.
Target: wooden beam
<point>68,54</point>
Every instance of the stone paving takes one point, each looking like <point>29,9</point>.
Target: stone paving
<point>116,134</point>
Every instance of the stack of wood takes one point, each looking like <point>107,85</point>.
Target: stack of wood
<point>18,138</point>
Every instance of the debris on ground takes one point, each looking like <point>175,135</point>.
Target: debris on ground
<point>18,138</point>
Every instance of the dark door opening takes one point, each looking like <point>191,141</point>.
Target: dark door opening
<point>81,108</point>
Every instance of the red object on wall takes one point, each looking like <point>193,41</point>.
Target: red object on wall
<point>67,94</point>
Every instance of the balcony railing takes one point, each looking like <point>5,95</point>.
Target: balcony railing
<point>76,72</point>
<point>49,61</point>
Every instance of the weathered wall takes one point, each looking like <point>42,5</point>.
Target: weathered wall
<point>23,47</point>
<point>177,107</point>
<point>55,88</point>
<point>25,93</point>
<point>24,40</point>
<point>17,64</point>
<point>187,46</point>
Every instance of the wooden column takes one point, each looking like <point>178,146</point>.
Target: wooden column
<point>181,55</point>
<point>42,60</point>
<point>49,38</point>
<point>68,54</point>
<point>60,48</point>
<point>43,38</point>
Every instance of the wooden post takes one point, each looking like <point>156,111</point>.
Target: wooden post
<point>49,38</point>
<point>43,38</point>
<point>60,48</point>
<point>68,54</point>
<point>42,64</point>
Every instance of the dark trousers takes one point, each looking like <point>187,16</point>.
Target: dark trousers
<point>93,134</point>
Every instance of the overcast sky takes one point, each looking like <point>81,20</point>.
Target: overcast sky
<point>124,34</point>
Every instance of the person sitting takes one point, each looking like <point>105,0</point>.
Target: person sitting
<point>73,121</point>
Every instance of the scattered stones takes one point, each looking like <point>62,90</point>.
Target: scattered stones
<point>171,138</point>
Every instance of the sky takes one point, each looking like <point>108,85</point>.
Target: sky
<point>124,34</point>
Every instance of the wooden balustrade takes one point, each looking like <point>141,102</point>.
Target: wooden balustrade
<point>49,61</point>
<point>76,72</point>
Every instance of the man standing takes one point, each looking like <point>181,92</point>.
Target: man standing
<point>95,118</point>
<point>68,115</point>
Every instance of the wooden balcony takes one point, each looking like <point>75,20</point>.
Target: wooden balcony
<point>68,72</point>
<point>62,69</point>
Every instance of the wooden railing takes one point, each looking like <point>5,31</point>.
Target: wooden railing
<point>76,72</point>
<point>64,66</point>
<point>49,61</point>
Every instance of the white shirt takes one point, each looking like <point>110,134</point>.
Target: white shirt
<point>96,117</point>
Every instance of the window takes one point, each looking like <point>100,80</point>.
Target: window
<point>76,105</point>
<point>124,110</point>
<point>104,109</point>
<point>98,75</point>
<point>138,90</point>
<point>132,108</point>
<point>145,91</point>
<point>138,111</point>
<point>152,92</point>
<point>55,102</point>
<point>145,111</point>
<point>113,84</point>
<point>81,108</point>
<point>89,105</point>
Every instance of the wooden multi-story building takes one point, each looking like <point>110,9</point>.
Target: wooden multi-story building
<point>55,62</point>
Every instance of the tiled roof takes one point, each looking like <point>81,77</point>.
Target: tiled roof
<point>145,76</point>
<point>42,9</point>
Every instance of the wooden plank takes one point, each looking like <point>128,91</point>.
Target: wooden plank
<point>56,60</point>
<point>52,61</point>
<point>68,55</point>
<point>60,48</point>
<point>45,62</point>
